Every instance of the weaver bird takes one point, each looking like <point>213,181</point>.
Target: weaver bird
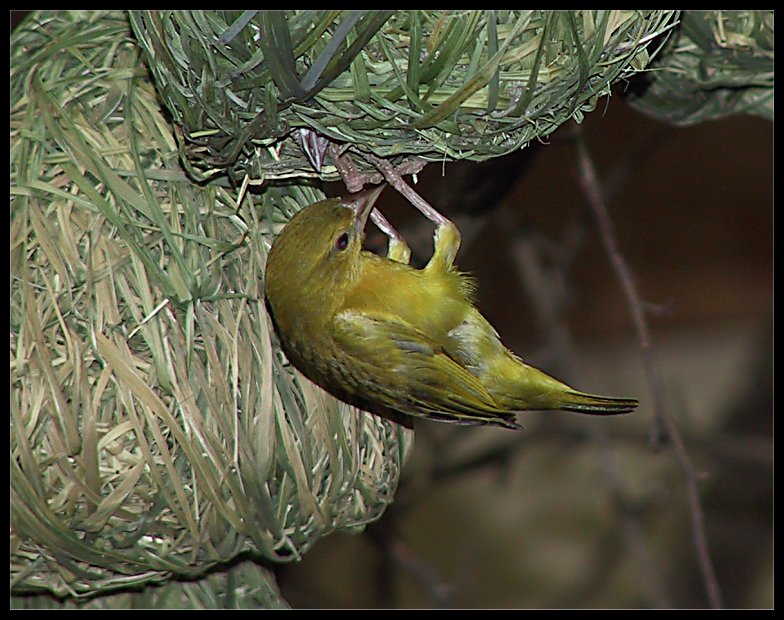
<point>393,339</point>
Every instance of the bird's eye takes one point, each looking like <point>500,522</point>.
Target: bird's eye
<point>341,243</point>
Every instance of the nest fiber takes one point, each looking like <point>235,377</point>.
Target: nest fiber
<point>156,431</point>
<point>244,586</point>
<point>430,84</point>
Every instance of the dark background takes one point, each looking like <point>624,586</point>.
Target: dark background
<point>693,217</point>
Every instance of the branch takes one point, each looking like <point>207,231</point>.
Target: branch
<point>590,185</point>
<point>545,283</point>
<point>398,555</point>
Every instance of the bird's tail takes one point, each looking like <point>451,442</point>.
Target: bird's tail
<point>580,402</point>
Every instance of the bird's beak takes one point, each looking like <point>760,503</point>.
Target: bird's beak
<point>362,202</point>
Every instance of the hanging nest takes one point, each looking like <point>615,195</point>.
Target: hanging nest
<point>156,431</point>
<point>428,84</point>
<point>717,63</point>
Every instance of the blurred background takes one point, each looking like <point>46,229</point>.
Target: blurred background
<point>580,511</point>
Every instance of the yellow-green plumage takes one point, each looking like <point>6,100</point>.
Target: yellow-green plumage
<point>393,339</point>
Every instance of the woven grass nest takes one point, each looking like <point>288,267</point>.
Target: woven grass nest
<point>156,431</point>
<point>429,84</point>
<point>717,63</point>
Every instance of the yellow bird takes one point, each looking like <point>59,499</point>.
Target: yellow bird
<point>392,339</point>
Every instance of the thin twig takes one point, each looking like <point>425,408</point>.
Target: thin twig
<point>397,555</point>
<point>591,187</point>
<point>545,284</point>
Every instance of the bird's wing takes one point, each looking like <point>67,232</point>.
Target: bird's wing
<point>406,370</point>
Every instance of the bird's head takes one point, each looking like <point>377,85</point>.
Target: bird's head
<point>316,256</point>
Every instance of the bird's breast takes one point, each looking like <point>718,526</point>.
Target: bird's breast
<point>432,303</point>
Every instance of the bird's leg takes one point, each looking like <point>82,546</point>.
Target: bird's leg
<point>395,180</point>
<point>398,249</point>
<point>353,179</point>
<point>446,239</point>
<point>364,202</point>
<point>446,243</point>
